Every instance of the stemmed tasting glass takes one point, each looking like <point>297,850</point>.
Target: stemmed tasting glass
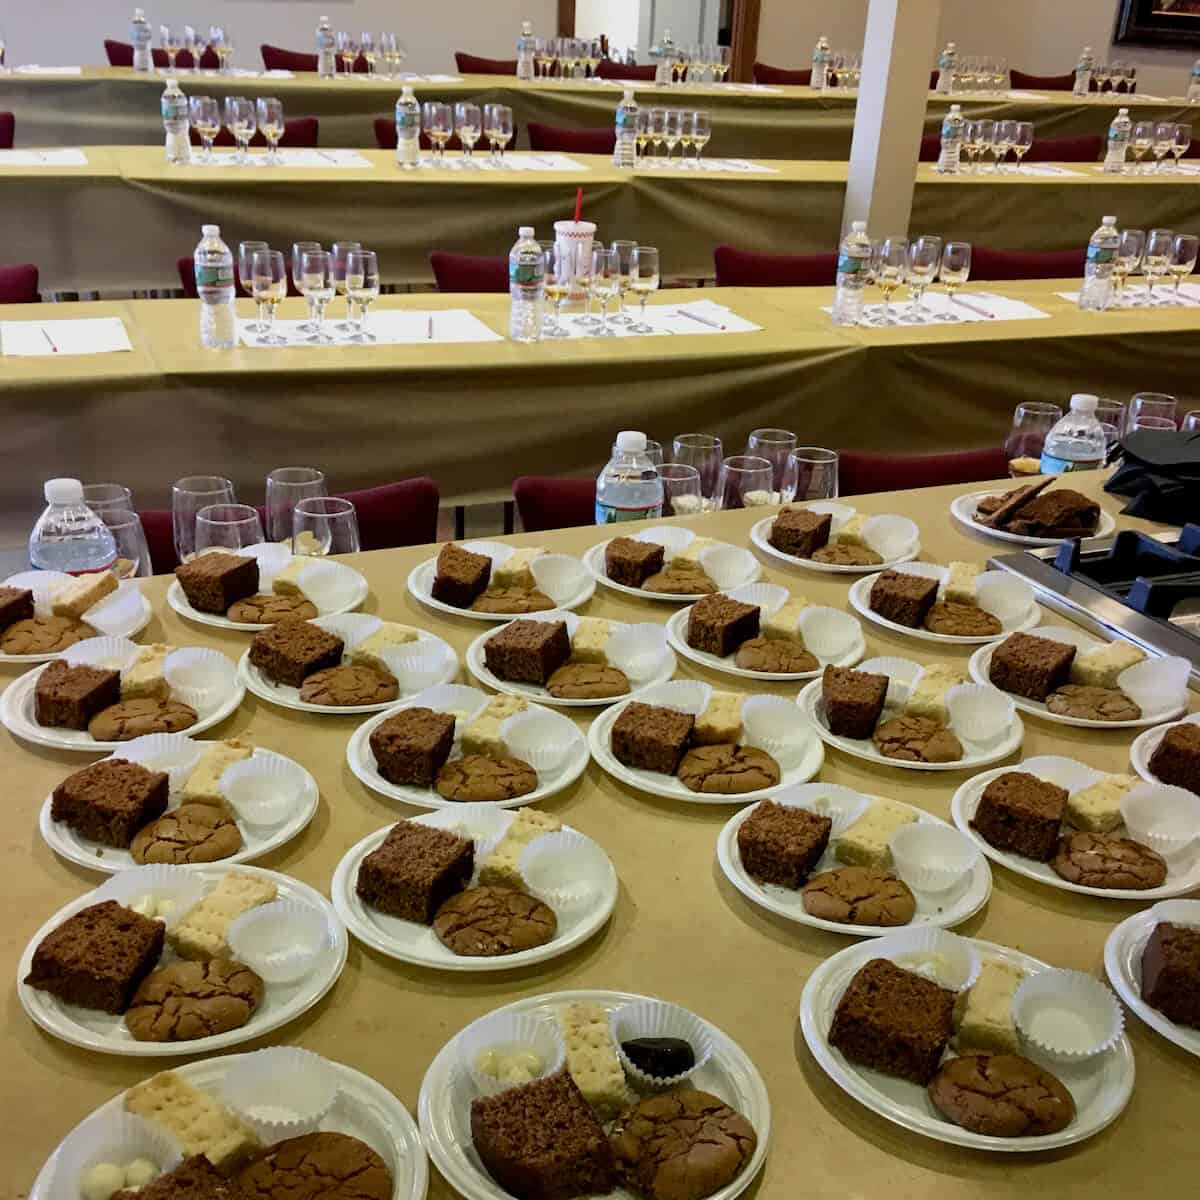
<point>298,251</point>
<point>1164,139</point>
<point>286,487</point>
<point>1127,259</point>
<point>1101,74</point>
<point>338,254</point>
<point>206,121</point>
<point>1022,141</point>
<point>604,286</point>
<point>541,58</point>
<point>269,287</point>
<point>133,553</point>
<point>1141,141</point>
<point>468,123</point>
<point>985,134</point>
<point>673,131</point>
<point>623,252</point>
<point>498,126</point>
<point>704,452</point>
<point>244,125</point>
<point>1006,135</point>
<point>220,37</point>
<point>188,496</point>
<point>722,64</point>
<point>100,497</point>
<point>924,256</point>
<point>954,271</point>
<point>245,265</point>
<point>1155,264</point>
<point>1182,140</point>
<point>582,282</point>
<point>744,482</point>
<point>227,527</point>
<point>171,39</point>
<point>559,268</point>
<point>775,445</point>
<point>1157,424</point>
<point>367,45</point>
<point>891,269</point>
<point>701,132</point>
<point>811,473</point>
<point>362,288</point>
<point>1182,261</point>
<point>270,121</point>
<point>1111,415</point>
<point>193,43</point>
<point>347,48</point>
<point>437,119</point>
<point>1191,422</point>
<point>681,490</point>
<point>658,132</point>
<point>970,145</point>
<point>686,127</point>
<point>316,283</point>
<point>1023,446</point>
<point>642,136</point>
<point>1156,405</point>
<point>644,279</point>
<point>387,51</point>
<point>331,521</point>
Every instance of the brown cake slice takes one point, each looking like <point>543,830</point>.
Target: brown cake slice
<point>648,737</point>
<point>16,604</point>
<point>781,843</point>
<point>527,651</point>
<point>415,871</point>
<point>1060,513</point>
<point>412,747</point>
<point>853,701</point>
<point>291,650</point>
<point>1171,973</point>
<point>1176,759</point>
<point>461,575</point>
<point>631,562</point>
<point>902,597</point>
<point>213,582</point>
<point>1021,813</point>
<point>1030,666</point>
<point>109,801</point>
<point>719,624</point>
<point>194,1179</point>
<point>800,531</point>
<point>69,697</point>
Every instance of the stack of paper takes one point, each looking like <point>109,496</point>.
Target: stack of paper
<point>1135,295</point>
<point>742,165</point>
<point>939,309</point>
<point>40,339</point>
<point>43,158</point>
<point>392,327</point>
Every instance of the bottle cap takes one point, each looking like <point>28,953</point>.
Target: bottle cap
<point>858,226</point>
<point>211,230</point>
<point>406,92</point>
<point>525,231</point>
<point>63,491</point>
<point>628,441</point>
<point>1122,112</point>
<point>951,46</point>
<point>1108,221</point>
<point>526,27</point>
<point>139,14</point>
<point>1084,403</point>
<point>956,108</point>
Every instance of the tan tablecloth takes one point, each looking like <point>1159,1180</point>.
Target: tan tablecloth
<point>68,215</point>
<point>680,931</point>
<point>106,105</point>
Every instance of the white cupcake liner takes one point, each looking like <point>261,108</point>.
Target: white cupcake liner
<point>1178,912</point>
<point>891,536</point>
<point>281,941</point>
<point>727,566</point>
<point>415,665</point>
<point>671,538</point>
<point>1165,818</point>
<point>281,1092</point>
<point>1003,595</point>
<point>841,513</point>
<point>1068,636</point>
<point>656,1018</point>
<point>979,712</point>
<point>197,675</point>
<point>828,633</point>
<point>328,584</point>
<point>262,788</point>
<point>465,703</point>
<point>119,613</point>
<point>175,753</point>
<point>922,569</point>
<point>508,1033</point>
<point>1062,772</point>
<point>352,628</point>
<point>540,738</point>
<point>112,1137</point>
<point>931,857</point>
<point>564,869</point>
<point>901,673</point>
<point>1156,684</point>
<point>637,650</point>
<point>949,960</point>
<point>769,597</point>
<point>107,653</point>
<point>1066,1015</point>
<point>180,887</point>
<point>43,585</point>
<point>272,557</point>
<point>559,576</point>
<point>775,725</point>
<point>483,823</point>
<point>684,695</point>
<point>498,552</point>
<point>842,805</point>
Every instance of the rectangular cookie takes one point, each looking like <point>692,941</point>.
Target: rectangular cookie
<point>75,598</point>
<point>201,932</point>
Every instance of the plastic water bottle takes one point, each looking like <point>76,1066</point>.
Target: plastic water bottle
<point>853,267</point>
<point>629,488</point>
<point>214,285</point>
<point>68,536</point>
<point>526,287</point>
<point>525,44</point>
<point>1118,143</point>
<point>1083,72</point>
<point>1097,272</point>
<point>947,65</point>
<point>408,130</point>
<point>1193,92</point>
<point>625,151</point>
<point>175,123</point>
<point>1077,442</point>
<point>820,64</point>
<point>666,56</point>
<point>326,50</point>
<point>952,139</point>
<point>140,37</point>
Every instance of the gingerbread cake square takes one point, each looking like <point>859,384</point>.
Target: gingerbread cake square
<point>292,649</point>
<point>718,624</point>
<point>648,737</point>
<point>69,697</point>
<point>631,561</point>
<point>781,843</point>
<point>109,801</point>
<point>212,582</point>
<point>412,747</point>
<point>527,651</point>
<point>1029,666</point>
<point>1021,813</point>
<point>800,531</point>
<point>415,871</point>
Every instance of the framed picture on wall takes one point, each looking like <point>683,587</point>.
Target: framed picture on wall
<point>1158,23</point>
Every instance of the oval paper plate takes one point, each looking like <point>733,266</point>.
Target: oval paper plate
<point>594,559</point>
<point>760,534</point>
<point>963,509</point>
<point>420,586</point>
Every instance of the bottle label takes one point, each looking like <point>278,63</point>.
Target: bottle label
<point>950,127</point>
<point>946,61</point>
<point>175,108</point>
<point>611,514</point>
<point>1052,465</point>
<point>524,274</point>
<point>407,120</point>
<point>626,118</point>
<point>214,277</point>
<point>1100,255</point>
<point>1117,135</point>
<point>850,264</point>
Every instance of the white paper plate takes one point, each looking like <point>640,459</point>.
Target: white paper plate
<point>668,786</point>
<point>107,1034</point>
<point>257,840</point>
<point>531,691</point>
<point>1101,1086</point>
<point>1123,965</point>
<point>677,624</point>
<point>420,586</point>
<point>444,1108</point>
<point>363,1109</point>
<point>963,509</point>
<point>362,763</point>
<point>860,601</point>
<point>943,909</point>
<point>130,631</point>
<point>981,661</point>
<point>760,534</point>
<point>411,942</point>
<point>974,755</point>
<point>178,600</point>
<point>1145,744</point>
<point>594,561</point>
<point>17,714</point>
<point>1183,871</point>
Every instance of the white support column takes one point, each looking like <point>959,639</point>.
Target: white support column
<point>899,52</point>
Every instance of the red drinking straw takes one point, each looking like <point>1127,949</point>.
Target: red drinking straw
<point>578,203</point>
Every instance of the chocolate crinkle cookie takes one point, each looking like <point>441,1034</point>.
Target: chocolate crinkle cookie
<point>1107,860</point>
<point>727,770</point>
<point>1092,703</point>
<point>484,922</point>
<point>317,1166</point>
<point>859,896</point>
<point>1001,1095</point>
<point>917,739</point>
<point>187,1000</point>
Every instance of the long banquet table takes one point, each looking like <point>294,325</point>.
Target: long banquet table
<point>107,105</point>
<point>468,412</point>
<point>680,931</point>
<point>66,213</point>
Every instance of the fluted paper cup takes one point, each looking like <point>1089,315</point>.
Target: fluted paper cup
<point>111,1137</point>
<point>559,576</point>
<point>685,695</point>
<point>775,725</point>
<point>509,1033</point>
<point>901,673</point>
<point>841,513</point>
<point>672,538</point>
<point>174,891</point>
<point>842,805</point>
<point>1178,912</point>
<point>540,738</point>
<point>43,585</point>
<point>281,1092</point>
<point>891,536</point>
<point>1003,595</point>
<point>553,615</point>
<point>261,789</point>
<point>1165,818</point>
<point>1066,1015</point>
<point>482,822</point>
<point>930,857</point>
<point>1156,684</point>
<point>271,558</point>
<point>352,628</point>
<point>656,1018</point>
<point>979,712</point>
<point>828,633</point>
<point>106,653</point>
<point>281,941</point>
<point>464,703</point>
<point>949,960</point>
<point>175,753</point>
<point>638,650</point>
<point>769,597</point>
<point>565,869</point>
<point>119,613</point>
<point>198,676</point>
<point>1062,772</point>
<point>498,552</point>
<point>727,566</point>
<point>329,585</point>
<point>415,665</point>
<point>922,569</point>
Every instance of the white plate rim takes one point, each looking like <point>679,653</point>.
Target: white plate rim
<point>1147,742</point>
<point>758,536</point>
<point>593,559</point>
<point>144,620</point>
<point>418,588</point>
<point>962,508</point>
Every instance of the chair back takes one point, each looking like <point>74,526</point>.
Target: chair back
<point>469,272</point>
<point>742,268</point>
<point>120,54</point>
<point>860,474</point>
<point>385,133</point>
<point>988,264</point>
<point>472,64</point>
<point>385,137</point>
<point>1042,83</point>
<point>187,278</point>
<point>931,148</point>
<point>615,70</point>
<point>299,133</point>
<point>547,503</point>
<point>782,77</point>
<point>19,284</point>
<point>275,58</point>
<point>553,138</point>
<point>8,130</point>
<point>1085,148</point>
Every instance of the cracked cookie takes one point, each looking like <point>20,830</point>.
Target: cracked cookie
<point>485,922</point>
<point>317,1166</point>
<point>1107,860</point>
<point>476,778</point>
<point>771,654</point>
<point>859,896</point>
<point>727,770</point>
<point>681,1145</point>
<point>917,739</point>
<point>1001,1095</point>
<point>264,609</point>
<point>512,600</point>
<point>188,1000</point>
<point>962,620</point>
<point>680,578</point>
<point>134,718</point>
<point>587,681</point>
<point>44,635</point>
<point>336,686</point>
<point>1092,703</point>
<point>840,555</point>
<point>192,833</point>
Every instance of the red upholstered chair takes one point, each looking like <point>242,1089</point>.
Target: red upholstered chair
<point>859,474</point>
<point>1042,83</point>
<point>187,278</point>
<point>615,70</point>
<point>19,285</point>
<point>742,268</point>
<point>1083,149</point>
<point>472,64</point>
<point>298,133</point>
<point>385,137</point>
<point>8,128</point>
<point>780,76</point>
<point>551,138</point>
<point>160,539</point>
<point>120,54</point>
<point>397,514</point>
<point>385,133</point>
<point>933,78</point>
<point>469,272</point>
<point>988,264</point>
<point>275,58</point>
<point>931,148</point>
<point>546,503</point>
